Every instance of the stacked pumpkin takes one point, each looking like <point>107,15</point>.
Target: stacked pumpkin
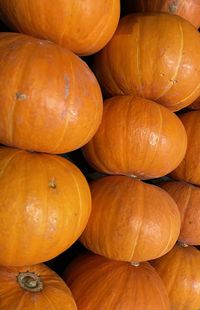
<point>146,72</point>
<point>50,103</point>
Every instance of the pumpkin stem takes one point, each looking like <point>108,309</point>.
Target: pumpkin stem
<point>183,244</point>
<point>136,264</point>
<point>29,281</point>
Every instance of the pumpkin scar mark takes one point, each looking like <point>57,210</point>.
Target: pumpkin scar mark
<point>176,70</point>
<point>52,183</point>
<point>66,86</point>
<point>173,7</point>
<point>21,96</point>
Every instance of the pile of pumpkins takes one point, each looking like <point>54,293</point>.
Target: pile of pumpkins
<point>141,236</point>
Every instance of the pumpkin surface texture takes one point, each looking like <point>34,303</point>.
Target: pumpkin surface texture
<point>46,94</point>
<point>155,56</point>
<point>82,26</point>
<point>189,168</point>
<point>98,283</point>
<point>130,220</point>
<point>134,137</point>
<point>45,204</point>
<point>33,287</point>
<point>188,9</point>
<point>187,197</point>
<point>180,272</point>
<point>195,105</point>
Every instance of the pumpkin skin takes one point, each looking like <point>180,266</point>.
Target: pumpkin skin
<point>84,27</point>
<point>189,168</point>
<point>195,105</point>
<point>45,204</point>
<point>187,197</point>
<point>123,225</point>
<point>98,283</point>
<point>50,94</point>
<point>180,272</point>
<point>54,295</point>
<point>188,9</point>
<point>134,137</point>
<point>152,55</point>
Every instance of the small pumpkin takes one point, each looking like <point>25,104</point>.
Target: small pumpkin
<point>98,283</point>
<point>45,204</point>
<point>50,101</point>
<point>134,137</point>
<point>82,26</point>
<point>130,220</point>
<point>152,55</point>
<point>188,9</point>
<point>180,272</point>
<point>189,169</point>
<point>33,287</point>
<point>187,197</point>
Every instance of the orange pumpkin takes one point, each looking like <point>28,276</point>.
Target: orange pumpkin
<point>98,283</point>
<point>35,287</point>
<point>45,204</point>
<point>189,168</point>
<point>134,137</point>
<point>188,9</point>
<point>187,197</point>
<point>195,105</point>
<point>82,26</point>
<point>50,101</point>
<point>155,56</point>
<point>180,272</point>
<point>130,220</point>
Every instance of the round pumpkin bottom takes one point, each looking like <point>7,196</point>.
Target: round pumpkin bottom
<point>33,287</point>
<point>98,283</point>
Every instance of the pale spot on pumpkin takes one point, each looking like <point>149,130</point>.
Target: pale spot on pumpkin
<point>52,183</point>
<point>21,96</point>
<point>173,7</point>
<point>173,81</point>
<point>153,138</point>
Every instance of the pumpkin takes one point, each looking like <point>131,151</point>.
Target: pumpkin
<point>33,287</point>
<point>130,220</point>
<point>82,26</point>
<point>180,272</point>
<point>195,105</point>
<point>134,137</point>
<point>45,204</point>
<point>188,9</point>
<point>187,197</point>
<point>189,168</point>
<point>98,283</point>
<point>152,55</point>
<point>50,101</point>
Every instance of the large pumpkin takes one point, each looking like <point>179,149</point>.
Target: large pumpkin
<point>45,204</point>
<point>187,197</point>
<point>189,168</point>
<point>82,26</point>
<point>33,287</point>
<point>50,101</point>
<point>137,137</point>
<point>188,9</point>
<point>130,220</point>
<point>155,56</point>
<point>98,283</point>
<point>180,272</point>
